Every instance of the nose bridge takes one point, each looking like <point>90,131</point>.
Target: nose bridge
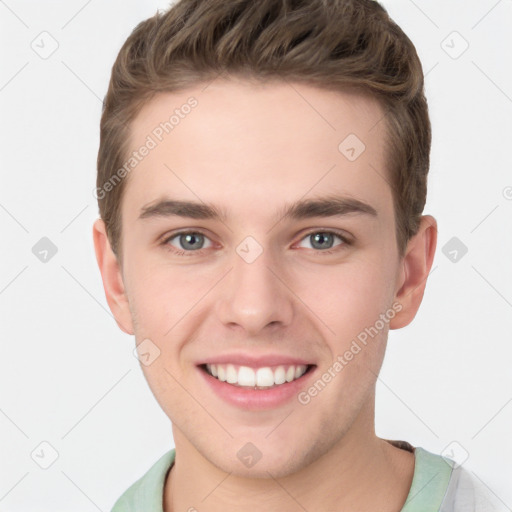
<point>253,297</point>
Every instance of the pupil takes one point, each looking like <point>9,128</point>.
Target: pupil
<point>322,240</point>
<point>191,241</point>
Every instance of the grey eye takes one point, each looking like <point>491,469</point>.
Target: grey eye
<point>321,240</point>
<point>189,241</point>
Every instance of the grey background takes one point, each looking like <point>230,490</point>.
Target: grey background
<point>68,376</point>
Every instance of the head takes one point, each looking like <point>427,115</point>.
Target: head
<point>291,141</point>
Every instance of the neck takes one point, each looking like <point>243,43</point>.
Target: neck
<point>360,472</point>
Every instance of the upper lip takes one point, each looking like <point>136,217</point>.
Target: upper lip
<point>255,361</point>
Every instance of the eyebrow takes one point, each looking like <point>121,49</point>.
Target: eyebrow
<point>331,206</point>
<point>190,209</point>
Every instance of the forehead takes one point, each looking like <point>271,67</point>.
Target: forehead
<point>237,143</point>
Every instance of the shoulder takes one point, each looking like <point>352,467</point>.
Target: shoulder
<point>432,474</point>
<point>439,483</point>
<point>147,492</point>
<point>465,492</point>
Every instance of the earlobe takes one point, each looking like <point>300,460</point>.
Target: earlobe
<point>112,278</point>
<point>415,268</point>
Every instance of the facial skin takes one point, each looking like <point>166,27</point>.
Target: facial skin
<point>251,151</point>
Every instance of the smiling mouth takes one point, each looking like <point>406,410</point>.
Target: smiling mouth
<point>266,377</point>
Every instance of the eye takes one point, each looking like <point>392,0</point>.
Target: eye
<point>189,241</point>
<point>323,240</point>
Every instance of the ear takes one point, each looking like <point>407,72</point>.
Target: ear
<point>414,270</point>
<point>112,278</point>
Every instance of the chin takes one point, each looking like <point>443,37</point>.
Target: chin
<point>269,462</point>
<point>279,467</point>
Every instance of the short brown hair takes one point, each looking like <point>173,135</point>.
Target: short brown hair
<point>334,44</point>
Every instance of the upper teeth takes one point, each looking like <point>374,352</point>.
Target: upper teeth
<point>264,377</point>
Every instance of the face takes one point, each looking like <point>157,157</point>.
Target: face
<point>259,246</point>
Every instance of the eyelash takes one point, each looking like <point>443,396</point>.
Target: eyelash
<point>181,252</point>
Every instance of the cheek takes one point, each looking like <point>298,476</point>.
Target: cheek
<point>163,380</point>
<point>168,305</point>
<point>162,295</point>
<point>348,297</point>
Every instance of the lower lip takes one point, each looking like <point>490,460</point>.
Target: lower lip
<point>257,399</point>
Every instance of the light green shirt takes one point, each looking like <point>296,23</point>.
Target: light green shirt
<point>438,485</point>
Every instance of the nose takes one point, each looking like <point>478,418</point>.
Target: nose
<point>254,296</point>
